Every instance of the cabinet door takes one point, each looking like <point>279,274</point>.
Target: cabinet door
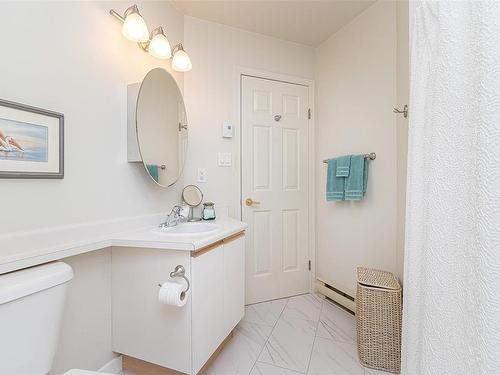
<point>208,305</point>
<point>234,282</point>
<point>142,327</point>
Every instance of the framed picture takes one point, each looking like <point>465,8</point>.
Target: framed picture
<point>31,142</point>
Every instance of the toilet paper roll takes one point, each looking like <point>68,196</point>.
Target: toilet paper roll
<point>172,293</point>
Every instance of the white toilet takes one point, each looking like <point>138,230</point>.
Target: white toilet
<point>31,307</point>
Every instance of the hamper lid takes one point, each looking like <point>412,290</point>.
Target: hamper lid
<point>377,278</point>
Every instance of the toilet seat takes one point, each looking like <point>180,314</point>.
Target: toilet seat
<point>85,372</point>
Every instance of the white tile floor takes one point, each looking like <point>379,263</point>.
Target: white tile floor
<point>299,335</point>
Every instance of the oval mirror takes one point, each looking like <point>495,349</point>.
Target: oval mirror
<point>161,127</point>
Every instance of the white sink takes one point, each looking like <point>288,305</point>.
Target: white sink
<point>188,229</point>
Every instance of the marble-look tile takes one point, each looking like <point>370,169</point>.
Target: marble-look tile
<point>266,369</point>
<point>370,371</point>
<point>290,344</point>
<point>266,313</point>
<point>318,296</point>
<point>336,324</point>
<point>334,358</point>
<point>307,306</point>
<point>241,352</point>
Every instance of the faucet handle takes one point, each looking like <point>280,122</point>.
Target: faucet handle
<point>176,210</point>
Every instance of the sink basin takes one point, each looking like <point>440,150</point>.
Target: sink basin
<point>189,229</point>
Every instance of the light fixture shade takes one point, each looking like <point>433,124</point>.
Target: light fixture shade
<point>181,61</point>
<point>159,45</point>
<point>134,27</point>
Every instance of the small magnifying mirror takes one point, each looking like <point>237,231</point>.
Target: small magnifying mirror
<point>193,197</point>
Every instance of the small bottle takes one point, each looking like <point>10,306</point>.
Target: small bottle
<point>208,211</point>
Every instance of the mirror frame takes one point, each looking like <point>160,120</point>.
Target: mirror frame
<point>181,170</point>
<point>191,217</point>
<point>197,187</point>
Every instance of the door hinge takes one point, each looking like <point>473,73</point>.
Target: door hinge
<point>309,113</point>
<point>309,263</point>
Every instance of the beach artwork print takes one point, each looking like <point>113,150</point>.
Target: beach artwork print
<point>31,142</point>
<point>21,141</point>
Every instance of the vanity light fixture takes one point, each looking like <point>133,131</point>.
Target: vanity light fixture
<point>156,44</point>
<point>181,61</point>
<point>134,27</point>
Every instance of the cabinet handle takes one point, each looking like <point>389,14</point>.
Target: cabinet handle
<point>206,249</point>
<point>215,245</point>
<point>233,237</point>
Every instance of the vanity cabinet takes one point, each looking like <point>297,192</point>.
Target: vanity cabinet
<point>177,338</point>
<point>218,297</point>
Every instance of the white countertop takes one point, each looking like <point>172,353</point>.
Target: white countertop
<point>148,238</point>
<point>25,249</point>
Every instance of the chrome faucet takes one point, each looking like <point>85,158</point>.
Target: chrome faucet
<point>174,217</point>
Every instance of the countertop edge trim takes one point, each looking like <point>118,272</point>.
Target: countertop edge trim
<point>228,239</point>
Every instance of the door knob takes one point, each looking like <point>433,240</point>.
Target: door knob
<point>277,118</point>
<point>250,202</point>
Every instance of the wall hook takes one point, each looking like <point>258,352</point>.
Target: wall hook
<point>404,111</point>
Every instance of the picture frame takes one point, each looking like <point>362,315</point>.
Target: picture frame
<point>31,142</point>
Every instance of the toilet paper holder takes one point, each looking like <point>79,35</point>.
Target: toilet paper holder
<point>180,271</point>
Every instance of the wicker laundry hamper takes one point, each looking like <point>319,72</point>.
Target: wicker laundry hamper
<point>378,315</point>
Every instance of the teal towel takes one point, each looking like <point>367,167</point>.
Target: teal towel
<point>153,171</point>
<point>365,175</point>
<point>355,184</point>
<point>334,184</point>
<point>343,165</point>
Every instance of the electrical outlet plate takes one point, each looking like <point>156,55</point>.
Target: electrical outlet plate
<point>202,175</point>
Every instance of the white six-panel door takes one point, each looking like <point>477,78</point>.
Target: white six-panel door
<point>274,117</point>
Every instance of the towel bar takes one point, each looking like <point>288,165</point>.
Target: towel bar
<point>371,156</point>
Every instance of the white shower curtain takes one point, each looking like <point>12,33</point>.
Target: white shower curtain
<point>451,319</point>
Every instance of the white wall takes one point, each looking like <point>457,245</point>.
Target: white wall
<point>356,81</point>
<point>70,57</point>
<point>216,50</point>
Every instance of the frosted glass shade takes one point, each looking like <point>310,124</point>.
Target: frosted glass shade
<point>135,28</point>
<point>181,61</point>
<point>159,47</point>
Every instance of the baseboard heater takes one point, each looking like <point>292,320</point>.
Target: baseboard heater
<point>336,295</point>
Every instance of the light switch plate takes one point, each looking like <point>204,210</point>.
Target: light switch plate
<point>202,175</point>
<point>227,130</point>
<point>225,159</point>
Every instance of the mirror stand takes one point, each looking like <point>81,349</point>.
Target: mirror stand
<point>191,217</point>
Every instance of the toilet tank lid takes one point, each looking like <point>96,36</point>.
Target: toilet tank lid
<point>17,284</point>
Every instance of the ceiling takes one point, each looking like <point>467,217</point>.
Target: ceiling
<point>307,22</point>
